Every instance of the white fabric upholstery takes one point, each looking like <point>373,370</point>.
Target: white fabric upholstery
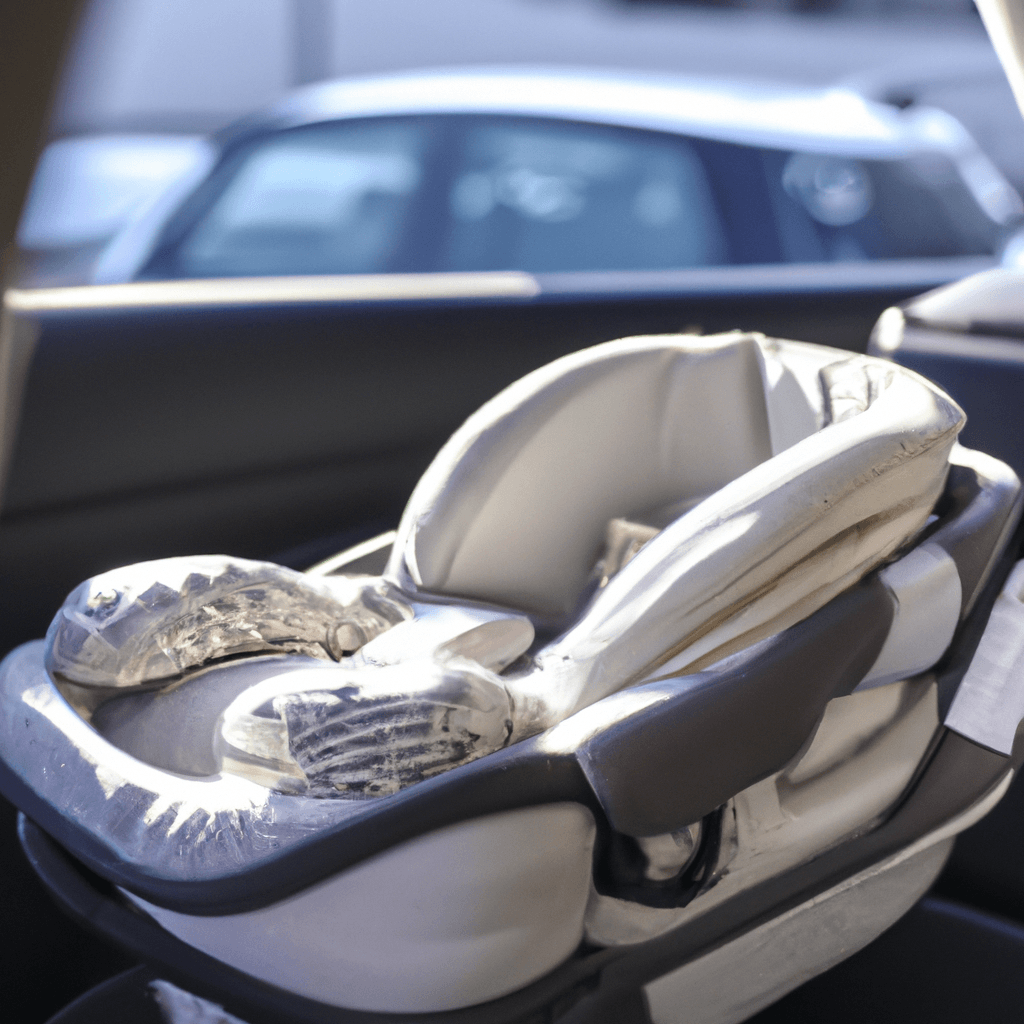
<point>515,507</point>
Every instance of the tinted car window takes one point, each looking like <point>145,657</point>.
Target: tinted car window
<point>331,199</point>
<point>563,196</point>
<point>463,193</point>
<point>457,193</point>
<point>833,208</point>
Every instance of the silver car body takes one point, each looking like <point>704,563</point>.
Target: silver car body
<point>836,122</point>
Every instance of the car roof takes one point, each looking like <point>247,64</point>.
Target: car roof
<point>835,120</point>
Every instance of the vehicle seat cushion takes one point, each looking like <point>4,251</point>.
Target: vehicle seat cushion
<point>515,507</point>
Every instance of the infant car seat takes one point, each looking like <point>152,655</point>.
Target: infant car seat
<point>670,691</point>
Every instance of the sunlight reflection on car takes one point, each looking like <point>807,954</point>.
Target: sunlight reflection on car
<point>551,171</point>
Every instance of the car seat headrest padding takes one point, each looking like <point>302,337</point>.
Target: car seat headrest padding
<point>515,507</point>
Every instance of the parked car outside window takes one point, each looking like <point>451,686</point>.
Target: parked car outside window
<point>347,179</point>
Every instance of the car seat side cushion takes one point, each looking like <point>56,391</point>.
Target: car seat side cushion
<point>718,732</point>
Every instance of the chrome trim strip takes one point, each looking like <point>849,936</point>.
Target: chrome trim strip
<point>251,291</point>
<point>754,280</point>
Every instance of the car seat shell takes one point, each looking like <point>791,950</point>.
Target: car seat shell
<point>651,701</point>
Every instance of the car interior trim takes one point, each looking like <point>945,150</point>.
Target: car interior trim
<point>907,274</point>
<point>252,291</point>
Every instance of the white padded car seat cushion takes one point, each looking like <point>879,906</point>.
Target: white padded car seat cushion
<point>515,507</point>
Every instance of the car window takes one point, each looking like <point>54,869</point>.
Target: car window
<point>837,209</point>
<point>456,193</point>
<point>331,199</point>
<point>477,193</point>
<point>560,196</point>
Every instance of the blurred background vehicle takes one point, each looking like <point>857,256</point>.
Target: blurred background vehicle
<point>560,171</point>
<point>86,188</point>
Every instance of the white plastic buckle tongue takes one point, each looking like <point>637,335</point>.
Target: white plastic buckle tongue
<point>989,703</point>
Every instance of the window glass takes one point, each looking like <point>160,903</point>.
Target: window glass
<point>487,193</point>
<point>833,208</point>
<point>334,199</point>
<point>561,197</point>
